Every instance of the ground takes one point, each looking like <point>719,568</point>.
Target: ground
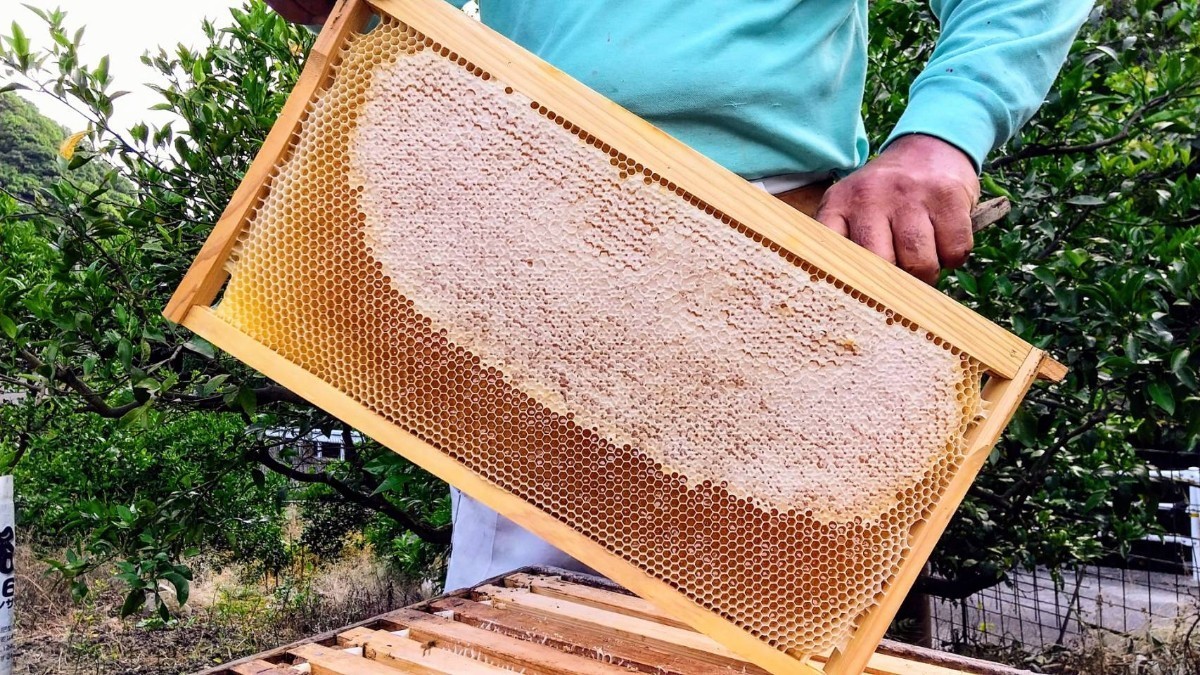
<point>227,617</point>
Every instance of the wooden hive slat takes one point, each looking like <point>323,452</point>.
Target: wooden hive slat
<point>593,597</point>
<point>642,631</point>
<point>259,667</point>
<point>522,655</point>
<point>552,640</point>
<point>324,660</point>
<point>1013,363</point>
<point>585,641</point>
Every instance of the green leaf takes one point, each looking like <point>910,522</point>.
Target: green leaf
<point>133,602</point>
<point>1077,256</point>
<point>125,353</point>
<point>1162,396</point>
<point>1086,200</point>
<point>8,326</point>
<point>20,45</point>
<point>247,400</point>
<point>137,417</point>
<point>990,185</point>
<point>181,585</point>
<point>79,589</point>
<point>1179,362</point>
<point>101,71</point>
<point>124,513</point>
<point>201,346</point>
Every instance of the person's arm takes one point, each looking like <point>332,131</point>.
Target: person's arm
<point>993,64</point>
<point>314,12</point>
<point>308,12</point>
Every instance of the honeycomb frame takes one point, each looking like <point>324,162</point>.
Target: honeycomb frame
<point>637,151</point>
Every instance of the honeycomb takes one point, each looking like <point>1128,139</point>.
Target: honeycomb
<point>592,338</point>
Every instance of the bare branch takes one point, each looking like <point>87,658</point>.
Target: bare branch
<point>434,535</point>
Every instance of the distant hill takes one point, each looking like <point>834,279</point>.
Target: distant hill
<point>29,144</point>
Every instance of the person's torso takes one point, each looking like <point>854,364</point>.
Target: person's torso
<point>764,87</point>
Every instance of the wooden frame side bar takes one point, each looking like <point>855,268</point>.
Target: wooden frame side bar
<point>999,350</point>
<point>207,273</point>
<point>1005,396</point>
<point>206,324</point>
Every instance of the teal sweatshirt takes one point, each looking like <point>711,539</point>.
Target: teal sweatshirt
<point>771,87</point>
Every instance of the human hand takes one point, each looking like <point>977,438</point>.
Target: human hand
<point>303,11</point>
<point>911,205</point>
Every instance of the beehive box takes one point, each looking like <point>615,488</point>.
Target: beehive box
<point>579,321</point>
<point>542,621</point>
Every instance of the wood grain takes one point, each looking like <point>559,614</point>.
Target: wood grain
<point>584,641</point>
<point>670,639</point>
<point>259,667</point>
<point>521,655</point>
<point>409,656</point>
<point>324,660</point>
<point>628,605</point>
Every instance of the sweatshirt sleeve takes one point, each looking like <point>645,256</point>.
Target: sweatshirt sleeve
<point>991,69</point>
<point>316,27</point>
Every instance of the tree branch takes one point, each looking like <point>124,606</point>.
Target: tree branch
<point>955,589</point>
<point>438,535</point>
<point>95,403</point>
<point>1043,150</point>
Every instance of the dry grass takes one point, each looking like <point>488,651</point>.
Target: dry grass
<point>1167,648</point>
<point>226,617</point>
<point>1170,649</point>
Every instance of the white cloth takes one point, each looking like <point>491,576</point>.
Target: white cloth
<point>485,544</point>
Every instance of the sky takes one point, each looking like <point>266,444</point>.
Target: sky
<point>123,29</point>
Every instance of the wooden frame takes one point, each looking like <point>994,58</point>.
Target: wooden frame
<point>1012,363</point>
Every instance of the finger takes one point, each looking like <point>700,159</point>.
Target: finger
<point>869,228</point>
<point>829,212</point>
<point>915,244</point>
<point>953,235</point>
<point>834,222</point>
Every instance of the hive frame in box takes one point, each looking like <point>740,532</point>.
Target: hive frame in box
<point>1012,364</point>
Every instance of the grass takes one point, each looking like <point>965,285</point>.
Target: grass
<point>226,618</point>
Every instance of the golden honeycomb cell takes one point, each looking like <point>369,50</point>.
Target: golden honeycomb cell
<point>495,280</point>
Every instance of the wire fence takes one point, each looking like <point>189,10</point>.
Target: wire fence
<point>1036,611</point>
<point>1152,588</point>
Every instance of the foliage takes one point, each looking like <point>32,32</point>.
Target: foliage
<point>1100,264</point>
<point>85,269</point>
<point>144,498</point>
<point>29,149</point>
